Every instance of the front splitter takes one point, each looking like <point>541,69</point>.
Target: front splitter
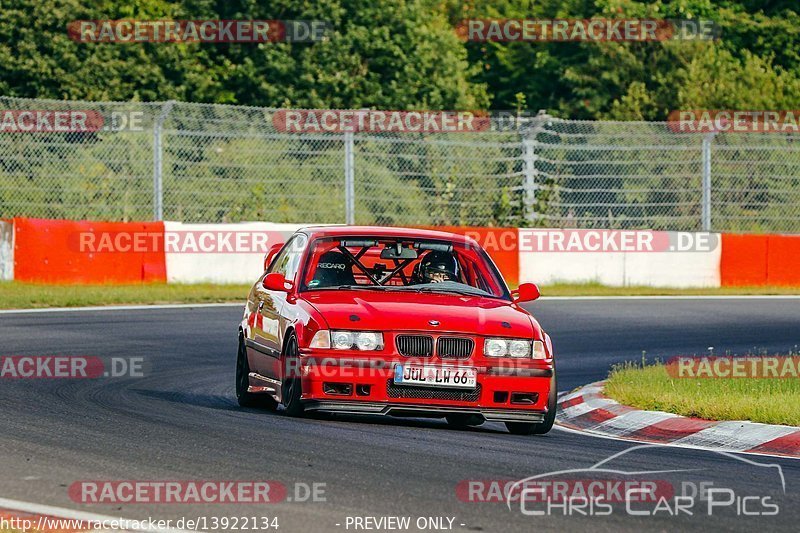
<point>428,411</point>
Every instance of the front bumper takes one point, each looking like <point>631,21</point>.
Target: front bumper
<point>366,386</point>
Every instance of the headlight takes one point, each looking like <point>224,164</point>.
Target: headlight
<point>342,340</point>
<point>361,340</point>
<point>518,348</point>
<point>369,340</point>
<point>495,348</point>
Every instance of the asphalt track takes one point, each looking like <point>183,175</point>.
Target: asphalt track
<point>181,421</point>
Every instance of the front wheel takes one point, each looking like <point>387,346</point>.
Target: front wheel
<point>292,386</point>
<point>525,428</point>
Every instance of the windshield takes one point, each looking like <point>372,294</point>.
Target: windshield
<point>386,264</point>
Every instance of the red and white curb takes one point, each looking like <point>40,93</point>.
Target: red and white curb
<point>588,410</point>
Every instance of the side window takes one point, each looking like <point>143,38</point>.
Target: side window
<point>288,260</point>
<point>278,263</point>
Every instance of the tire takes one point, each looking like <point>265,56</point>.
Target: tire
<point>292,387</point>
<point>462,421</point>
<point>248,399</point>
<point>525,428</point>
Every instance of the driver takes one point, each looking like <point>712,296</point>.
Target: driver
<point>437,267</point>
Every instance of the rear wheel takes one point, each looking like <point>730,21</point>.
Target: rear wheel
<point>459,420</point>
<point>292,386</point>
<point>525,428</point>
<point>245,398</point>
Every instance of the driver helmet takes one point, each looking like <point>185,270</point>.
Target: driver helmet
<point>438,266</point>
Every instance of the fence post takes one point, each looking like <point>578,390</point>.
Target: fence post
<point>705,222</point>
<point>349,179</point>
<point>530,157</point>
<point>158,155</point>
<point>530,178</point>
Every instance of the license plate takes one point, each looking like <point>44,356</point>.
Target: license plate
<point>435,376</point>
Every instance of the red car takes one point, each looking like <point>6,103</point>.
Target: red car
<point>392,321</point>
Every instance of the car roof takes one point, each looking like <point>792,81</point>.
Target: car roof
<point>382,231</point>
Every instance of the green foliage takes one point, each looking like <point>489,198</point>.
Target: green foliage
<point>718,80</point>
<point>397,55</point>
<point>756,55</point>
<point>405,55</point>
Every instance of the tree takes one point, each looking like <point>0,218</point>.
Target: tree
<point>395,56</point>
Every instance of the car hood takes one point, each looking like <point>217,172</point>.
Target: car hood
<point>396,310</point>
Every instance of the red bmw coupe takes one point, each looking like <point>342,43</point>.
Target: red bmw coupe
<point>401,322</point>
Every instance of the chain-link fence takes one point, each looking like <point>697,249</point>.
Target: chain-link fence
<point>214,163</point>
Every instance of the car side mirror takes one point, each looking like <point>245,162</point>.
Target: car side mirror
<point>270,255</point>
<point>275,281</point>
<point>526,292</point>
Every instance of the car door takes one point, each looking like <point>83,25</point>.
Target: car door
<point>267,334</point>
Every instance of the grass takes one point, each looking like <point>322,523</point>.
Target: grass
<point>770,401</point>
<point>16,295</point>
<point>596,289</point>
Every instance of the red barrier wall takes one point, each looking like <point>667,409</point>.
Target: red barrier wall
<point>760,260</point>
<point>783,260</point>
<point>744,260</point>
<point>48,251</point>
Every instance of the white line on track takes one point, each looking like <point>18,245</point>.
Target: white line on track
<point>70,514</point>
<point>543,298</point>
<point>671,445</point>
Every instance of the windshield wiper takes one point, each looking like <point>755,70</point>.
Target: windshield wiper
<point>364,287</point>
<point>462,292</point>
<point>415,288</point>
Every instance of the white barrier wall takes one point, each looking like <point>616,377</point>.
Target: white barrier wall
<point>620,269</point>
<point>6,251</point>
<point>220,266</point>
<point>616,269</point>
<point>674,269</point>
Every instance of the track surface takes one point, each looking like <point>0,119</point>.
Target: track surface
<point>182,421</point>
